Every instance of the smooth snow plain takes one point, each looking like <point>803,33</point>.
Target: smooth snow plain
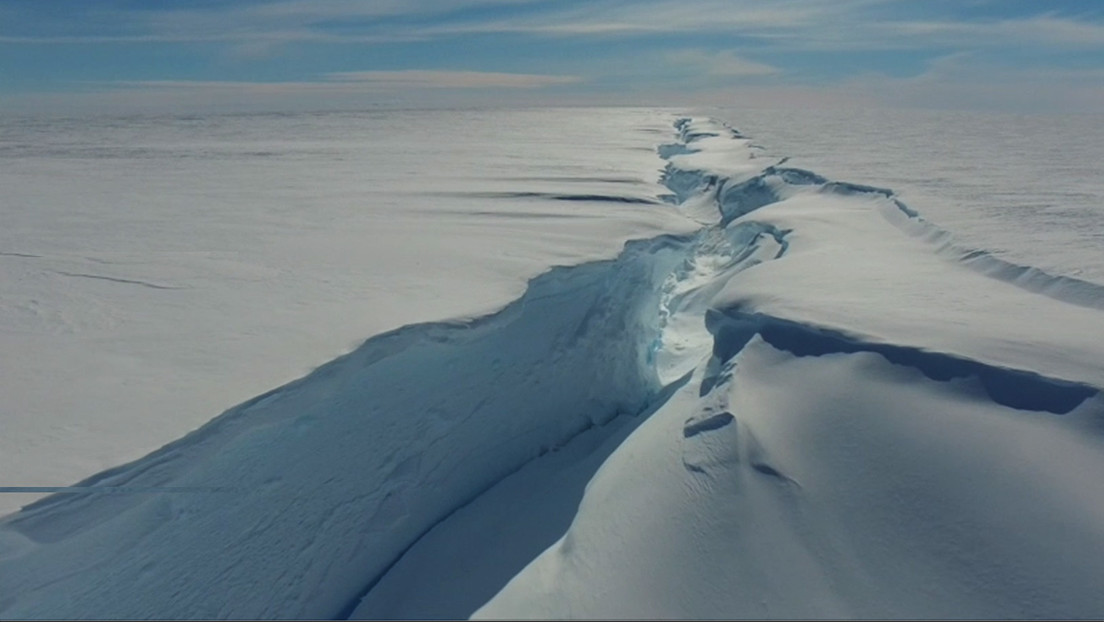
<point>747,390</point>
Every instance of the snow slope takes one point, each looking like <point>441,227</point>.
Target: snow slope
<point>806,404</point>
<point>1026,188</point>
<point>870,435</point>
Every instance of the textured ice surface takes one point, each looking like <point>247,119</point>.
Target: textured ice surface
<point>800,400</point>
<point>870,434</point>
<point>1029,188</point>
<point>157,271</point>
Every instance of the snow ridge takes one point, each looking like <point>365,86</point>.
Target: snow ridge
<point>736,197</point>
<point>1023,390</point>
<point>742,194</point>
<point>1029,278</point>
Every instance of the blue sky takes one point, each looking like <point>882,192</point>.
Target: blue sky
<point>1020,55</point>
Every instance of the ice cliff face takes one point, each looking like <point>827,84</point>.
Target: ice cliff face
<point>809,407</point>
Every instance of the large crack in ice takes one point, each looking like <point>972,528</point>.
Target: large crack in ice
<point>735,197</point>
<point>1023,390</point>
<point>1032,279</point>
<point>339,475</point>
<point>740,195</point>
<point>353,463</point>
<point>685,281</point>
<point>426,563</point>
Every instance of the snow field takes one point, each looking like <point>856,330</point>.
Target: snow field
<point>795,408</point>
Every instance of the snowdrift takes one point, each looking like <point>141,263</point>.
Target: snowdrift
<point>816,405</point>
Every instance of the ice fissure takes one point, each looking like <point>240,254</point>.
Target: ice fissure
<point>340,476</point>
<point>1014,388</point>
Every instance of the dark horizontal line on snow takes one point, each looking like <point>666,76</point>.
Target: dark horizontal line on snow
<point>113,279</point>
<point>113,489</point>
<point>554,196</point>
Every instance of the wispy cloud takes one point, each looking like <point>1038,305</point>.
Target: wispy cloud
<point>780,24</point>
<point>606,17</point>
<point>278,21</point>
<point>609,47</point>
<point>725,63</point>
<point>451,79</point>
<point>273,37</point>
<point>1047,30</point>
<point>360,81</point>
<point>359,21</point>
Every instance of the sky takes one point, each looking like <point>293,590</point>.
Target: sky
<point>69,56</point>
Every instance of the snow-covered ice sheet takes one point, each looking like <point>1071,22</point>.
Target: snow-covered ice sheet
<point>872,435</point>
<point>802,399</point>
<point>838,486</point>
<point>1027,188</point>
<point>156,271</point>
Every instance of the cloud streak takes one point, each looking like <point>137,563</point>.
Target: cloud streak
<point>398,20</point>
<point>1047,30</point>
<point>725,63</point>
<point>421,78</point>
<point>614,48</point>
<point>359,81</point>
<point>782,24</point>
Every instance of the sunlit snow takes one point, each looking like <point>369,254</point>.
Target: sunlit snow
<point>616,363</point>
